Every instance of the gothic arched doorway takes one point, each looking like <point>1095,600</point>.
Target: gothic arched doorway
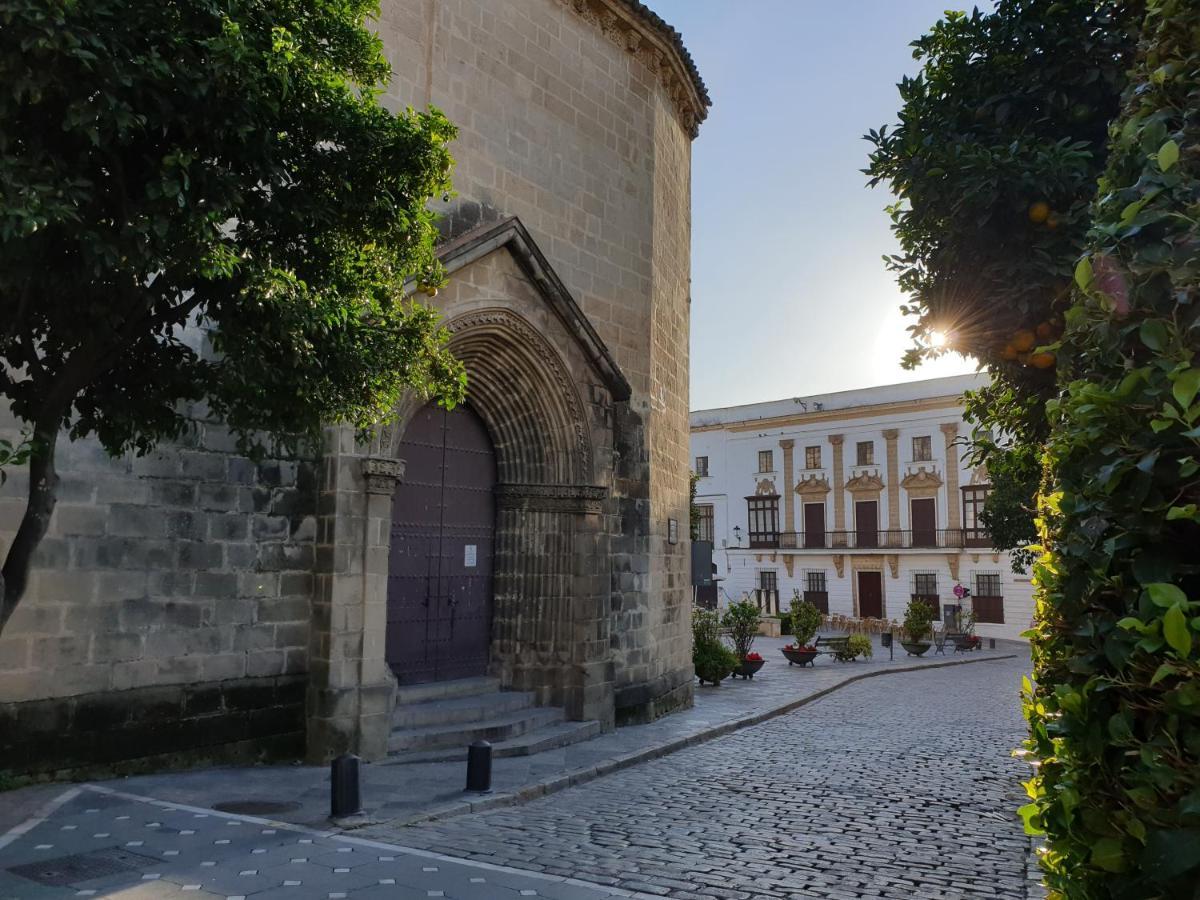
<point>440,567</point>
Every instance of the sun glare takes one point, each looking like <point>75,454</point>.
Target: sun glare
<point>937,338</point>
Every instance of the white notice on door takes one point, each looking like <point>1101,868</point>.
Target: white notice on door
<point>469,555</point>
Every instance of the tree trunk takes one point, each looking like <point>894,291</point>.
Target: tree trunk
<point>43,486</point>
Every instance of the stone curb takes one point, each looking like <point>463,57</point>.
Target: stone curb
<point>581,776</point>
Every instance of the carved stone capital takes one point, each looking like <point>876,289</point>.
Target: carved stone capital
<point>950,430</point>
<point>584,499</point>
<point>788,444</point>
<point>891,434</point>
<point>837,439</point>
<point>382,474</point>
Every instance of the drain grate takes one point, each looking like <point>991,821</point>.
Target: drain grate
<point>256,807</point>
<point>64,871</point>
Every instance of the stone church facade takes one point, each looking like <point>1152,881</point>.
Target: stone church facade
<point>192,604</point>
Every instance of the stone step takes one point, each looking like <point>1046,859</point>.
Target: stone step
<point>500,728</point>
<point>445,690</point>
<point>472,708</point>
<point>549,737</point>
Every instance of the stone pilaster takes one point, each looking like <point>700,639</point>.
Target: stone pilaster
<point>789,500</point>
<point>953,501</point>
<point>893,485</point>
<point>839,491</point>
<point>351,691</point>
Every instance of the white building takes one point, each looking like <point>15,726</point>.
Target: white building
<point>858,499</point>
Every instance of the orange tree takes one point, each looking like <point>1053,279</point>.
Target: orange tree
<point>1114,705</point>
<point>994,162</point>
<point>206,172</point>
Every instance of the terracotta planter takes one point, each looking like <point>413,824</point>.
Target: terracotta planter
<point>748,668</point>
<point>799,657</point>
<point>916,648</point>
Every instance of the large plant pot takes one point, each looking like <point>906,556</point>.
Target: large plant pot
<point>748,668</point>
<point>711,676</point>
<point>799,657</point>
<point>916,648</point>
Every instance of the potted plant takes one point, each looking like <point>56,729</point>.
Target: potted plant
<point>806,619</point>
<point>712,660</point>
<point>741,621</point>
<point>918,619</point>
<point>856,645</point>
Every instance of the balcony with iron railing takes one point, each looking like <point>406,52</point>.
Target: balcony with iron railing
<point>881,539</point>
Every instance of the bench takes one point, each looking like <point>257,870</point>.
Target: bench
<point>831,645</point>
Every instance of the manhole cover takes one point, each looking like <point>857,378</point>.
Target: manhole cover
<point>256,807</point>
<point>67,870</point>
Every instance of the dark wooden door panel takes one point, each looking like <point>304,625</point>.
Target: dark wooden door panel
<point>814,525</point>
<point>923,520</point>
<point>866,523</point>
<point>870,595</point>
<point>441,561</point>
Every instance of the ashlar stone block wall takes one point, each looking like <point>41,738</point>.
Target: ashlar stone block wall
<point>171,589</point>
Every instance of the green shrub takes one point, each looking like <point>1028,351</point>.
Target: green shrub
<point>917,619</point>
<point>712,660</point>
<point>1114,704</point>
<point>856,645</point>
<point>741,620</point>
<point>806,619</point>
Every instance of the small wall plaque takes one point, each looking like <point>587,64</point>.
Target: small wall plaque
<point>470,555</point>
<point>672,531</point>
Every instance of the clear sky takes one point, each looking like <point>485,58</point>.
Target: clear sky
<point>789,292</point>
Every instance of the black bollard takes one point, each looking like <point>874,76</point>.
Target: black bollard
<point>479,768</point>
<point>991,643</point>
<point>345,798</point>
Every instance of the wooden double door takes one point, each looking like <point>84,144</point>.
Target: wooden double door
<point>440,566</point>
<point>870,595</point>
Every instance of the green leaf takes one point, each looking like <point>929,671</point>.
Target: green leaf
<point>1164,594</point>
<point>1108,855</point>
<point>1181,512</point>
<point>1170,854</point>
<point>1175,630</point>
<point>1162,672</point>
<point>1168,155</point>
<point>1083,273</point>
<point>1153,334</point>
<point>1029,814</point>
<point>1186,386</point>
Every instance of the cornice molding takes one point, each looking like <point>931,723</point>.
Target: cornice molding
<point>643,34</point>
<point>865,482</point>
<point>866,411</point>
<point>812,484</point>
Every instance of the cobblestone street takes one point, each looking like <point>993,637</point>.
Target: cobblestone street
<point>895,787</point>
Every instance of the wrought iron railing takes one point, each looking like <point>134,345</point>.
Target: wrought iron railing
<point>881,539</point>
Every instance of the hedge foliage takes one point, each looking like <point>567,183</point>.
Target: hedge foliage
<point>1114,709</point>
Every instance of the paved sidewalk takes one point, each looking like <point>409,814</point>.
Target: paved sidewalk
<point>406,793</point>
<point>93,842</point>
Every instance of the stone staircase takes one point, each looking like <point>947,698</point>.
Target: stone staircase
<point>437,721</point>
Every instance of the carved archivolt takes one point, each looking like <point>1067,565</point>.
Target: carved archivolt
<point>766,488</point>
<point>865,483</point>
<point>812,484</point>
<point>575,498</point>
<point>382,474</point>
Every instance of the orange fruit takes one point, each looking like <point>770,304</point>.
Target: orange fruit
<point>1039,212</point>
<point>1042,360</point>
<point>1045,331</point>
<point>1024,340</point>
<point>1053,221</point>
<point>1008,352</point>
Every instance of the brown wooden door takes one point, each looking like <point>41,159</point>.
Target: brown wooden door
<point>923,519</point>
<point>440,565</point>
<point>870,595</point>
<point>814,524</point>
<point>866,523</point>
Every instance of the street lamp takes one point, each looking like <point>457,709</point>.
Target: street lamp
<point>737,534</point>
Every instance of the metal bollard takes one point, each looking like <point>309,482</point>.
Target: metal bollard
<point>345,798</point>
<point>479,768</point>
<point>991,643</point>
